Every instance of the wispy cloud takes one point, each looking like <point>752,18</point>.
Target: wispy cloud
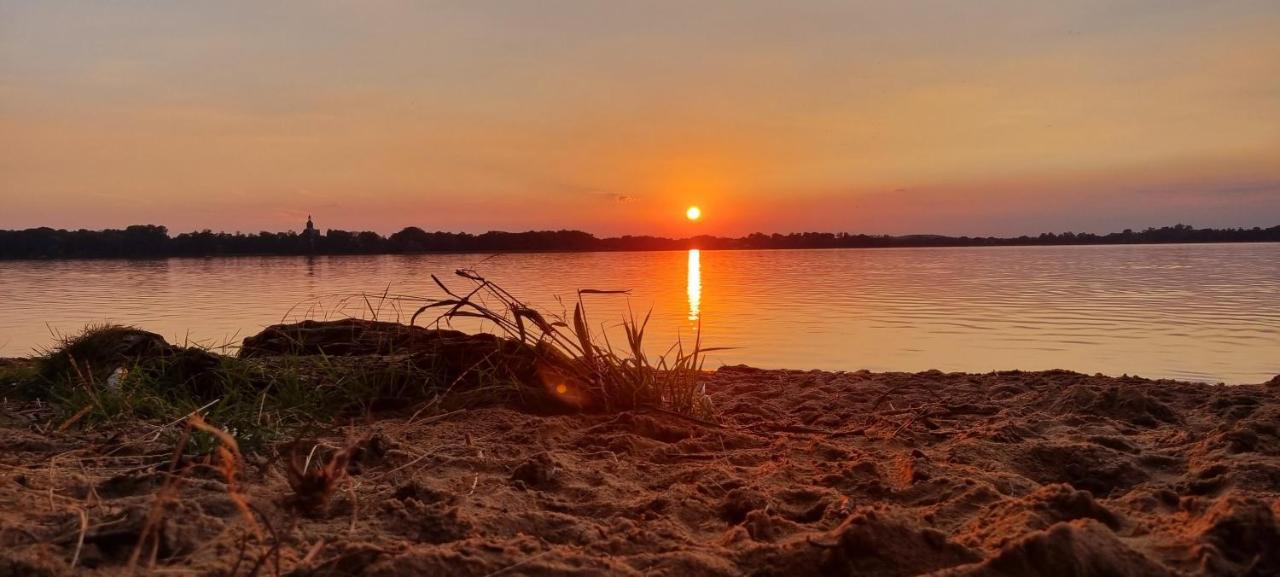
<point>613,196</point>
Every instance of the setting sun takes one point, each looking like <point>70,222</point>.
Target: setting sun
<point>694,213</point>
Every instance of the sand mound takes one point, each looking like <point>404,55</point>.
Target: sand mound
<point>100,351</point>
<point>1237,536</point>
<point>1128,403</point>
<point>1007,519</point>
<point>1083,548</point>
<point>869,542</point>
<point>352,337</point>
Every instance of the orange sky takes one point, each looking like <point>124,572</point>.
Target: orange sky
<point>990,117</point>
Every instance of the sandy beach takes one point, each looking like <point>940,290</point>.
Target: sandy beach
<point>805,473</point>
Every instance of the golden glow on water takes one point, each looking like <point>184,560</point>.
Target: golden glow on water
<point>1200,312</point>
<point>694,285</point>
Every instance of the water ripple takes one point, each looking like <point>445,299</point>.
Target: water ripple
<point>1202,312</point>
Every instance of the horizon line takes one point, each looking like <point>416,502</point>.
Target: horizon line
<point>169,231</point>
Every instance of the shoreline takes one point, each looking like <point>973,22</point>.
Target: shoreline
<point>624,250</point>
<point>805,472</point>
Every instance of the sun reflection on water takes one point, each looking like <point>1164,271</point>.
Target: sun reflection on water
<point>695,284</point>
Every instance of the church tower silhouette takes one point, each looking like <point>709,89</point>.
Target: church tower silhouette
<point>310,233</point>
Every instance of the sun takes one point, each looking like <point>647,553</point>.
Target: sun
<point>694,213</point>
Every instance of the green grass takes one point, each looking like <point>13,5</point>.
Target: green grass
<point>258,400</point>
<point>96,352</point>
<point>16,376</point>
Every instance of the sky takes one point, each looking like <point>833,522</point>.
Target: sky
<point>999,117</point>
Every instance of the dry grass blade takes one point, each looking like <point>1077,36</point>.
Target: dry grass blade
<point>84,528</point>
<point>584,365</point>
<point>167,494</point>
<point>76,417</point>
<point>583,333</point>
<point>229,463</point>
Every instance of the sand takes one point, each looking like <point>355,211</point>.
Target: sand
<point>808,473</point>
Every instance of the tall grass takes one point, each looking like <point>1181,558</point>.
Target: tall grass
<point>582,366</point>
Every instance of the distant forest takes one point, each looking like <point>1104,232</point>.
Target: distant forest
<point>143,241</point>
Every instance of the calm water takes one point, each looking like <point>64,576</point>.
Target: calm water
<point>1199,312</point>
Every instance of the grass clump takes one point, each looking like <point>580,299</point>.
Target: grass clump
<point>257,400</point>
<point>98,351</point>
<point>579,365</point>
<point>16,376</point>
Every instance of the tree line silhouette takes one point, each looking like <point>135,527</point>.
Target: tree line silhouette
<point>146,241</point>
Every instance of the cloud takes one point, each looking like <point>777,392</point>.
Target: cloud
<point>616,197</point>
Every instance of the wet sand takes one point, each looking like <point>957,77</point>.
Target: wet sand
<point>807,473</point>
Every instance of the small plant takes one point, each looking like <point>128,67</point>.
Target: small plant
<point>581,367</point>
<point>313,486</point>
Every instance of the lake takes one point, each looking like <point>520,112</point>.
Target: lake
<point>1208,312</point>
